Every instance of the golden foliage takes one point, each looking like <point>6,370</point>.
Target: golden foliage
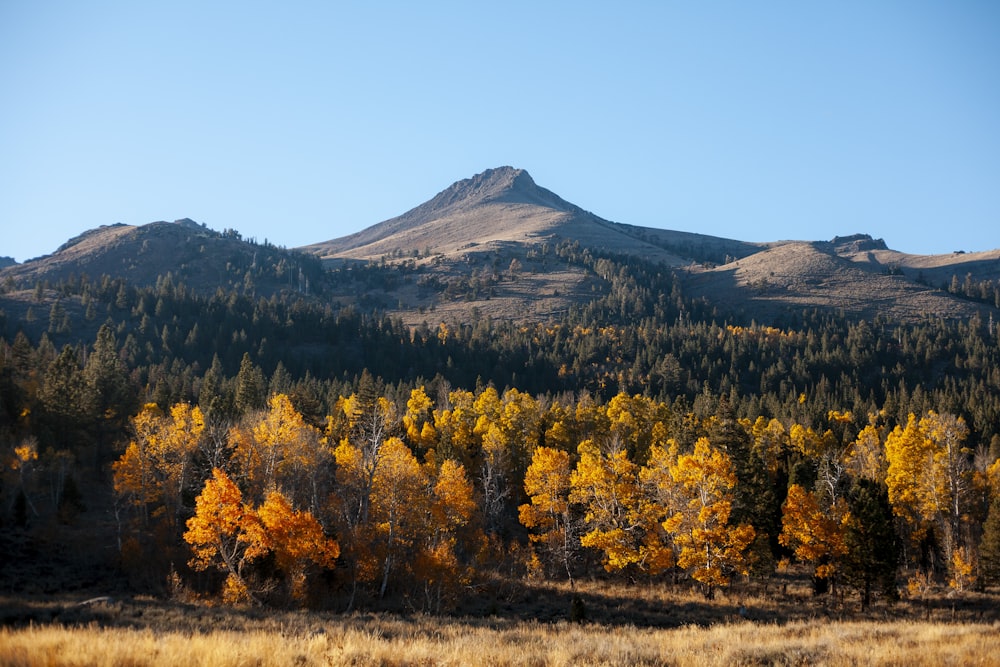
<point>816,534</point>
<point>710,549</point>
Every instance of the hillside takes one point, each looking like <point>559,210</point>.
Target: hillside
<point>201,258</point>
<point>792,276</point>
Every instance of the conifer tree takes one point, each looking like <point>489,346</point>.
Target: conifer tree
<point>250,388</point>
<point>989,546</point>
<point>872,548</point>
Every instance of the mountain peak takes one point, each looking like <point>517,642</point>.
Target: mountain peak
<point>499,184</point>
<point>508,185</point>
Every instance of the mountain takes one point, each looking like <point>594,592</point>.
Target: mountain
<point>500,246</point>
<point>498,207</point>
<point>485,222</point>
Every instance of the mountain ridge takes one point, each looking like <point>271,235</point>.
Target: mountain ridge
<point>485,244</point>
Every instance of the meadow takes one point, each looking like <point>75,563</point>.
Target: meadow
<point>613,625</point>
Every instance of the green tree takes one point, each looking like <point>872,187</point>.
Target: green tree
<point>251,392</point>
<point>112,398</point>
<point>872,548</point>
<point>989,546</point>
<point>63,397</point>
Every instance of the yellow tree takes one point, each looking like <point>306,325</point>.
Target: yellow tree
<point>519,422</point>
<point>220,535</point>
<point>229,534</point>
<point>770,443</point>
<point>606,484</point>
<point>155,469</point>
<point>418,421</point>
<point>955,471</point>
<point>455,426</point>
<point>494,475</point>
<point>636,420</point>
<point>929,476</point>
<point>662,498</point>
<point>866,455</point>
<point>295,538</point>
<point>278,449</point>
<point>547,515</point>
<point>399,507</point>
<point>438,563</point>
<point>358,458</point>
<point>814,533</point>
<point>709,548</point>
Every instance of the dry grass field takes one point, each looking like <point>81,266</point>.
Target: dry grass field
<point>622,626</point>
<point>430,641</point>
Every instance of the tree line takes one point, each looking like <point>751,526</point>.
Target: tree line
<point>427,498</point>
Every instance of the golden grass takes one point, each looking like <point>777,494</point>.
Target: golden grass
<point>395,640</point>
<point>522,625</point>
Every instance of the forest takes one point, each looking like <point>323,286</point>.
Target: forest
<point>287,451</point>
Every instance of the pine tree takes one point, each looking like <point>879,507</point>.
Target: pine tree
<point>873,548</point>
<point>210,396</point>
<point>111,398</point>
<point>63,400</point>
<point>989,547</point>
<point>250,388</point>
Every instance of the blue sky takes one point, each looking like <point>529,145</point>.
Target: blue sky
<point>301,122</point>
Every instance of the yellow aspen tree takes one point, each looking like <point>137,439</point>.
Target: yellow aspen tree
<point>399,506</point>
<point>963,569</point>
<point>295,538</point>
<point>154,471</point>
<point>866,455</point>
<point>279,449</point>
<point>560,433</point>
<point>606,484</point>
<point>229,534</point>
<point>418,420</point>
<point>929,476</point>
<point>662,498</point>
<point>908,456</point>
<point>438,563</point>
<point>134,477</point>
<point>547,515</point>
<point>358,459</point>
<point>179,441</point>
<point>454,503</point>
<point>709,548</point>
<point>519,423</point>
<point>494,476</point>
<point>814,533</point>
<point>953,461</point>
<point>487,407</point>
<point>219,535</point>
<point>351,505</point>
<point>770,442</point>
<point>633,419</point>
<point>455,428</point>
<point>592,418</point>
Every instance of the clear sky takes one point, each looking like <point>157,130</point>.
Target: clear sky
<point>299,122</point>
